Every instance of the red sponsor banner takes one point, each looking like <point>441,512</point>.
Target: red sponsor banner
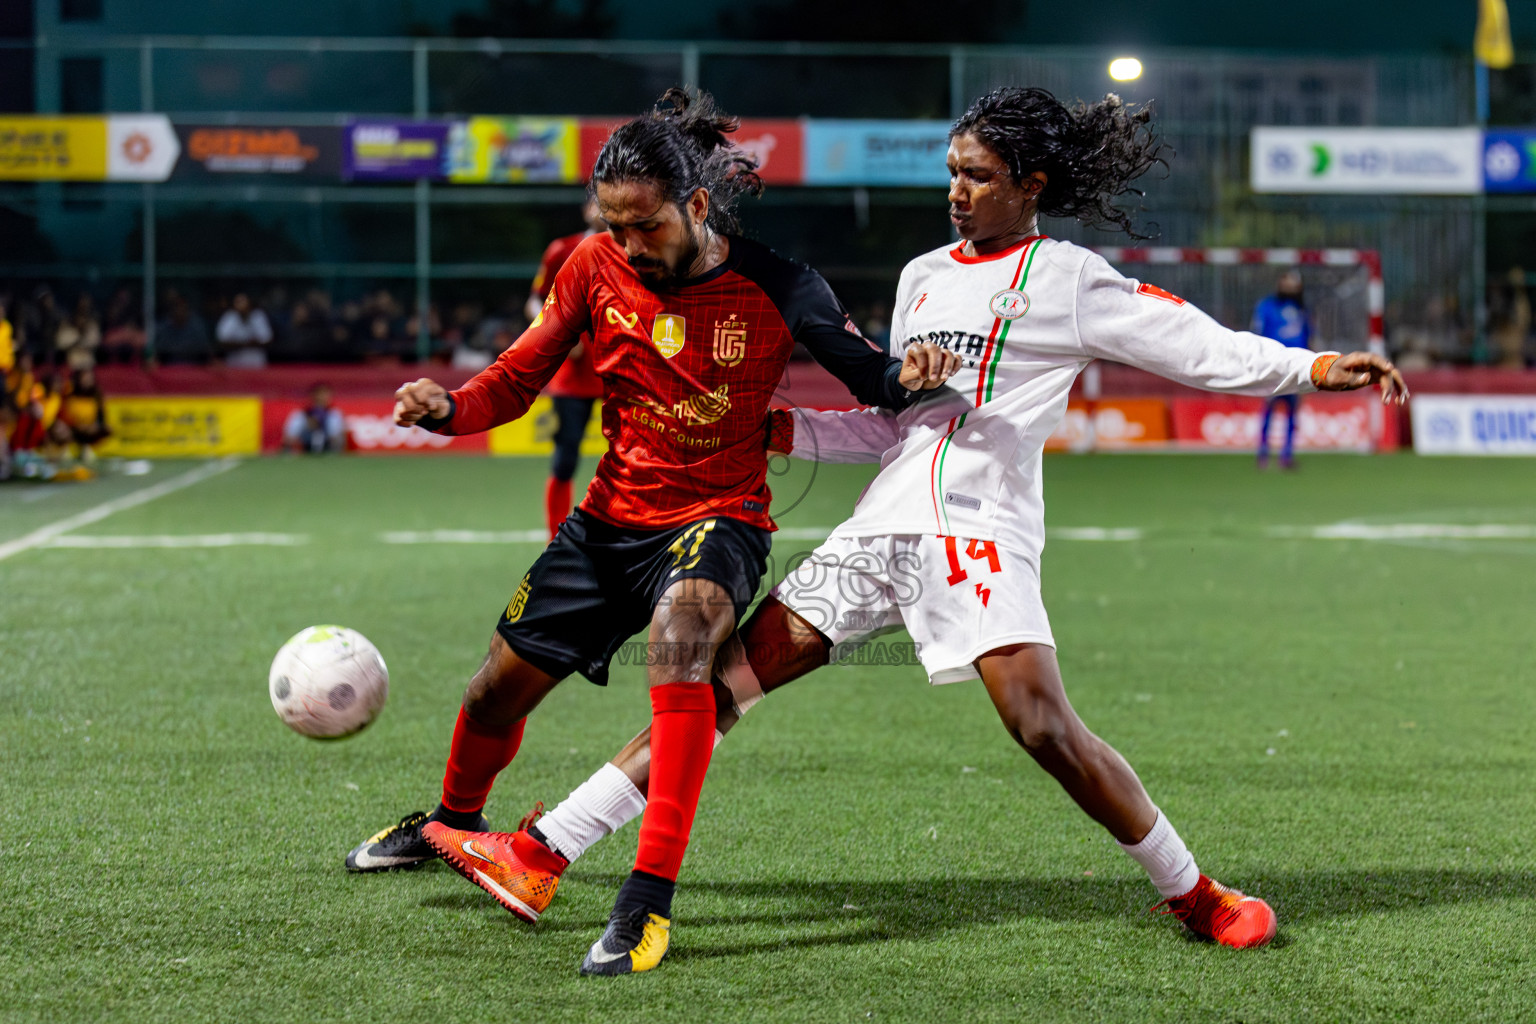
<point>1111,423</point>
<point>778,145</point>
<point>1325,422</point>
<point>370,429</point>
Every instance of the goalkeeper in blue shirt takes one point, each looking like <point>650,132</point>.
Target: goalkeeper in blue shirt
<point>1283,317</point>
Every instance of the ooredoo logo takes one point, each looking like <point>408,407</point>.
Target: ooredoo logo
<point>1346,429</point>
<point>372,432</point>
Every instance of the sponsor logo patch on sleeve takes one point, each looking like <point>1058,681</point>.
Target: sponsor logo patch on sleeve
<point>1159,293</point>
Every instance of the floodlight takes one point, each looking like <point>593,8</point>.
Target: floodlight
<point>1124,69</point>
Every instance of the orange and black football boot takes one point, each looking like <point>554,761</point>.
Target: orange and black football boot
<point>398,846</point>
<point>521,872</point>
<point>1214,912</point>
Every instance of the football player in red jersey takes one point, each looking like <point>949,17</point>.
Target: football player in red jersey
<point>691,327</point>
<point>575,386</point>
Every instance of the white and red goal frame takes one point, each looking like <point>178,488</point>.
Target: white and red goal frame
<point>1367,259</point>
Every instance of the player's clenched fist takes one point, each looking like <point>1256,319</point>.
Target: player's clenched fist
<point>420,398</point>
<point>927,366</point>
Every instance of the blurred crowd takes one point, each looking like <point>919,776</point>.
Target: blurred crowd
<point>248,329</point>
<point>277,325</point>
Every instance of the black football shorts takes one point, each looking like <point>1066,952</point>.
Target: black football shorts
<point>597,585</point>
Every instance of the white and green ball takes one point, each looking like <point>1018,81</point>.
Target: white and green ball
<point>328,682</point>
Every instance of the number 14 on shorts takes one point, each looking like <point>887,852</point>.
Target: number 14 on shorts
<point>976,551</point>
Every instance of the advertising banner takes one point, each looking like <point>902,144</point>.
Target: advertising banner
<point>1474,424</point>
<point>192,427</point>
<point>1509,160</point>
<point>514,150</point>
<point>371,429</point>
<point>53,148</point>
<point>395,151</point>
<point>778,145</point>
<point>1111,424</point>
<point>215,151</point>
<point>140,147</point>
<point>534,434</point>
<point>1414,161</point>
<point>1323,423</point>
<point>876,153</point>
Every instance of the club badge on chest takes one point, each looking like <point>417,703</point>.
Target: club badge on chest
<point>730,340</point>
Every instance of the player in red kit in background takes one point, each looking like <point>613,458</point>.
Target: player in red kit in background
<point>575,387</point>
<point>691,327</point>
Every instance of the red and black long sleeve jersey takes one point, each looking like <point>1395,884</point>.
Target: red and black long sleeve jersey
<point>687,372</point>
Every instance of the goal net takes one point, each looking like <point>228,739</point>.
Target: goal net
<point>1343,290</point>
<point>1343,296</point>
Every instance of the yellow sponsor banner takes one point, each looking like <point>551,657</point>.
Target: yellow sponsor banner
<point>53,148</point>
<point>515,150</point>
<point>153,426</point>
<point>534,434</point>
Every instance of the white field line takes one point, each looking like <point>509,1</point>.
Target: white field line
<point>193,540</point>
<point>42,535</point>
<point>465,537</point>
<point>1409,531</point>
<point>1121,533</point>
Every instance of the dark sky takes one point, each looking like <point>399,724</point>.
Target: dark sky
<point>1351,26</point>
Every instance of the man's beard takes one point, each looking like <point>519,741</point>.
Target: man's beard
<point>672,275</point>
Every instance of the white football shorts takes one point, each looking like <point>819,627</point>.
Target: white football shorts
<point>958,598</point>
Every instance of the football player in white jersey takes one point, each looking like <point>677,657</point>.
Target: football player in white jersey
<point>947,539</point>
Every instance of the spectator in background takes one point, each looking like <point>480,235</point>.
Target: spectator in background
<point>1509,317</point>
<point>1283,317</point>
<point>79,337</point>
<point>575,387</point>
<point>182,337</point>
<point>309,335</point>
<point>348,332</point>
<point>316,428</point>
<point>84,413</point>
<point>7,339</point>
<point>40,326</point>
<point>381,340</point>
<point>123,338</point>
<point>877,326</point>
<point>243,334</point>
<point>412,332</point>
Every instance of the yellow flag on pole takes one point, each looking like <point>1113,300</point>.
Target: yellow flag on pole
<point>1491,44</point>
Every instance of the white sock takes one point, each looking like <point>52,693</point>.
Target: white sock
<point>598,807</point>
<point>1166,858</point>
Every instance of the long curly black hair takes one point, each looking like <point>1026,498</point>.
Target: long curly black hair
<point>1090,153</point>
<point>682,145</point>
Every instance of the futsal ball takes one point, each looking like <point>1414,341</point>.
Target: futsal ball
<point>328,682</point>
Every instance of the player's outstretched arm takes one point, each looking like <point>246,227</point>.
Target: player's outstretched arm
<point>1354,370</point>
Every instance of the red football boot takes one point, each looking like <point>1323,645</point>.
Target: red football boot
<point>514,867</point>
<point>1214,912</point>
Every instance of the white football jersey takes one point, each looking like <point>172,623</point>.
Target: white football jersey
<point>965,460</point>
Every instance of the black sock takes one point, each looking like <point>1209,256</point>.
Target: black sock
<point>643,889</point>
<point>537,833</point>
<point>468,821</point>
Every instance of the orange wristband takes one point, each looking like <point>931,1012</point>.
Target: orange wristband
<point>1320,367</point>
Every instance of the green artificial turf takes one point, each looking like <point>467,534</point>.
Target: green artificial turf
<point>1340,726</point>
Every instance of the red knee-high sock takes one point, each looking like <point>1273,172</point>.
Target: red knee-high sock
<point>557,503</point>
<point>682,738</point>
<point>478,753</point>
